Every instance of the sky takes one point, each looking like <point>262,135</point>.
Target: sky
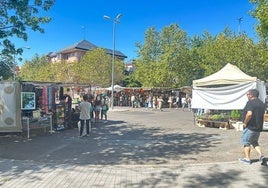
<point>73,21</point>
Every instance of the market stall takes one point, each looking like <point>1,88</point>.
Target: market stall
<point>225,90</point>
<point>27,105</point>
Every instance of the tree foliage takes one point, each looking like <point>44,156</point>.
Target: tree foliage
<point>94,69</point>
<point>163,58</point>
<point>214,52</point>
<point>261,14</point>
<point>172,59</point>
<point>16,18</point>
<point>38,69</point>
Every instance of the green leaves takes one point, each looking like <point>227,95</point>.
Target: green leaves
<point>94,69</point>
<point>160,57</point>
<point>16,16</point>
<point>172,59</point>
<point>261,14</point>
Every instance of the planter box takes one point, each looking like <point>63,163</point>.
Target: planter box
<point>215,124</point>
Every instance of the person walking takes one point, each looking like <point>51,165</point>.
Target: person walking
<point>133,99</point>
<point>68,106</point>
<point>253,115</point>
<point>104,108</point>
<point>160,103</point>
<point>189,103</point>
<point>150,101</point>
<point>84,107</point>
<point>170,101</point>
<point>90,99</point>
<point>97,108</point>
<point>184,102</point>
<point>155,102</point>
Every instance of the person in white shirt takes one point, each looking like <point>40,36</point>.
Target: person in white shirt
<point>183,102</point>
<point>160,102</point>
<point>84,107</point>
<point>133,98</point>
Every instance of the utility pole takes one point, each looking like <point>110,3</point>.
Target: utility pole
<point>239,24</point>
<point>84,32</point>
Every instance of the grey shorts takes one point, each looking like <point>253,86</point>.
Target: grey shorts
<point>250,137</point>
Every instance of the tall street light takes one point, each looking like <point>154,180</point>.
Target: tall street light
<point>115,21</point>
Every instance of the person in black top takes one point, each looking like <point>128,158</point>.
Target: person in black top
<point>253,115</point>
<point>68,109</point>
<point>97,108</point>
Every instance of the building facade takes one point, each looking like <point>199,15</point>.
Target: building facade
<point>76,51</point>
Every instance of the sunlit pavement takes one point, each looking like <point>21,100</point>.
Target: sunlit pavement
<point>134,148</point>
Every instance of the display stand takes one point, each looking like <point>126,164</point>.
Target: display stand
<point>59,122</point>
<point>38,124</point>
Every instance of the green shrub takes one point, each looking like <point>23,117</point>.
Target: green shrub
<point>236,114</point>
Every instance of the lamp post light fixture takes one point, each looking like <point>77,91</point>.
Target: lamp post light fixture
<point>115,21</point>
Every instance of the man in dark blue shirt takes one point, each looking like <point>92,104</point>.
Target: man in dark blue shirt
<point>253,114</point>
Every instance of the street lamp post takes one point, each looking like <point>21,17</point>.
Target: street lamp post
<point>115,21</point>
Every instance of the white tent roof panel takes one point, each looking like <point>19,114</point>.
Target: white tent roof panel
<point>228,75</point>
<point>231,86</point>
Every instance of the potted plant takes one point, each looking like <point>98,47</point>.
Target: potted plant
<point>236,115</point>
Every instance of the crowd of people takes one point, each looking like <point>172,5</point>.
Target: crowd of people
<point>161,101</point>
<point>93,108</point>
<point>102,102</point>
<point>90,109</point>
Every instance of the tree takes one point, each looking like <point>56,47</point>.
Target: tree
<point>95,68</point>
<point>163,58</point>
<point>175,56</point>
<point>148,56</point>
<point>130,81</point>
<point>261,14</point>
<point>16,17</point>
<point>170,59</point>
<point>38,69</point>
<point>211,53</point>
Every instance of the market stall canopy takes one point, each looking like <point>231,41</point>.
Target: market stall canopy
<point>117,88</point>
<point>225,89</point>
<point>186,89</point>
<point>228,75</point>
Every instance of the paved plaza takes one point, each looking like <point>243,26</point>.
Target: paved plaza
<point>134,148</point>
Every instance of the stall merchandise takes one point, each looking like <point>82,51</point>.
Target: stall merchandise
<point>31,105</point>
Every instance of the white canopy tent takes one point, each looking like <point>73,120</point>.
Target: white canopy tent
<point>117,88</point>
<point>225,89</point>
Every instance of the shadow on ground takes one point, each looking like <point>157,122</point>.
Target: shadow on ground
<point>118,143</point>
<point>115,142</point>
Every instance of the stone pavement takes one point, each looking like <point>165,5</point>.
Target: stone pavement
<point>135,148</point>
